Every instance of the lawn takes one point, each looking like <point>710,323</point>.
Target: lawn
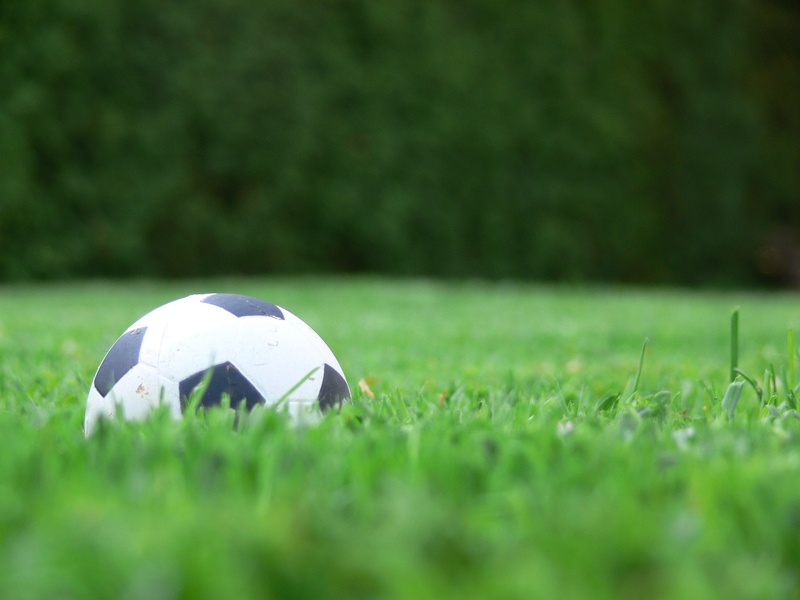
<point>523,442</point>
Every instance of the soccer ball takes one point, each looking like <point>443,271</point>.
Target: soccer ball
<point>214,346</point>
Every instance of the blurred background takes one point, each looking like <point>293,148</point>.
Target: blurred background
<point>645,141</point>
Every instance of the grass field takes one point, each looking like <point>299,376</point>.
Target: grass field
<point>514,448</point>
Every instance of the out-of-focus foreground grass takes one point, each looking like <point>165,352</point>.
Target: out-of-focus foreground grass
<point>513,448</point>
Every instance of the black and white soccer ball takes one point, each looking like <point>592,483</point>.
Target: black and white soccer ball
<point>209,346</point>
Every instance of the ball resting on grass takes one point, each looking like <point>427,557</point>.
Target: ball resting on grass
<point>209,347</point>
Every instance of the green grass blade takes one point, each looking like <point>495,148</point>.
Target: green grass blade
<point>734,343</point>
<point>608,402</point>
<point>292,389</point>
<point>637,379</point>
<point>753,383</point>
<point>790,343</point>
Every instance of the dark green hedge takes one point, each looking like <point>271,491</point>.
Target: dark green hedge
<point>639,140</point>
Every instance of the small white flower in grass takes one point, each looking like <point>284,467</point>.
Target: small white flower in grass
<point>565,428</point>
<point>682,437</point>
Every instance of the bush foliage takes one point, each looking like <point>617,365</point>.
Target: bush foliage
<point>642,140</point>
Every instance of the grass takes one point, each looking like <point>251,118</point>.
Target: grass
<point>522,442</point>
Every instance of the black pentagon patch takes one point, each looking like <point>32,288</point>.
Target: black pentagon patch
<point>244,306</point>
<point>121,358</point>
<point>224,378</point>
<point>333,390</point>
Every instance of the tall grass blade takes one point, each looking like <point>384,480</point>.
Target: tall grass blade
<point>638,377</point>
<point>790,343</point>
<point>770,383</point>
<point>734,343</point>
